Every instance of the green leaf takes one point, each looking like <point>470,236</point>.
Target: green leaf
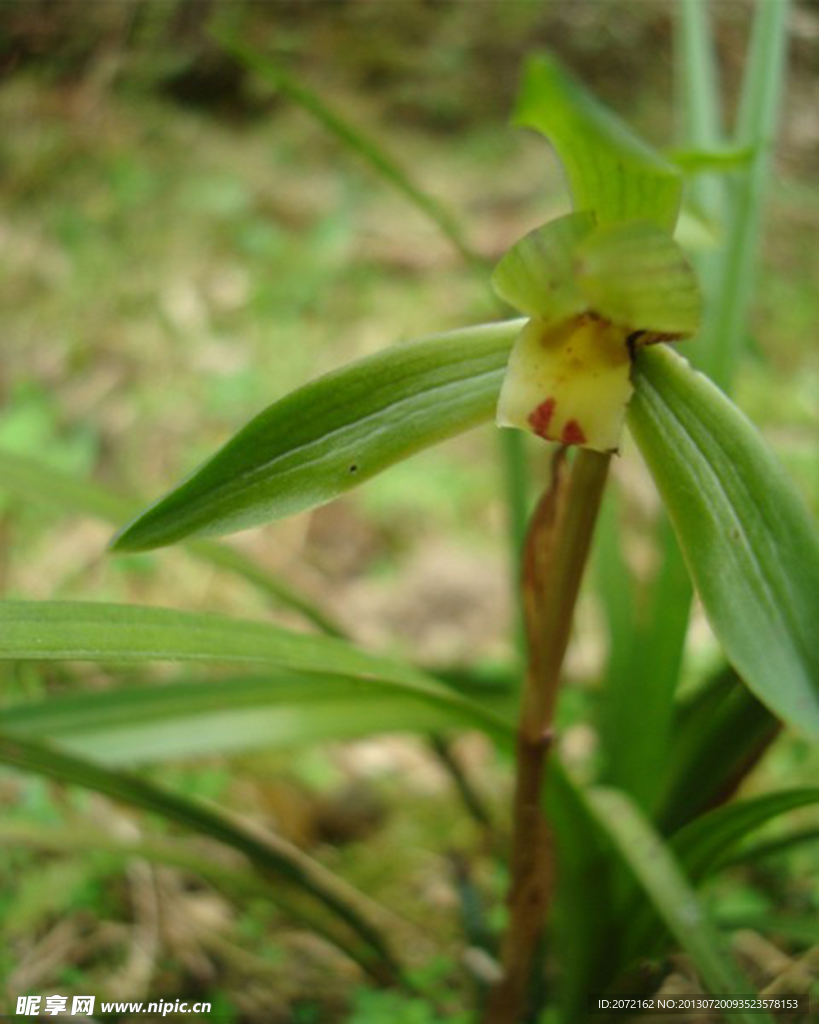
<point>537,275</point>
<point>150,723</point>
<point>334,433</point>
<point>57,491</point>
<point>636,275</point>
<point>583,920</point>
<point>706,845</point>
<point>747,539</point>
<point>729,276</point>
<point>660,875</point>
<point>718,736</point>
<point>612,173</point>
<point>268,853</point>
<point>646,643</point>
<point>712,837</point>
<point>39,630</point>
<point>756,850</point>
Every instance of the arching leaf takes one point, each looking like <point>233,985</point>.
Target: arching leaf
<point>334,433</point>
<point>746,536</point>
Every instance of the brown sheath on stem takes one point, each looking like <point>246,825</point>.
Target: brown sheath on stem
<point>555,555</point>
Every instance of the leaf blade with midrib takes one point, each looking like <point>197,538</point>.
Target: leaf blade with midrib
<point>747,539</point>
<point>334,433</point>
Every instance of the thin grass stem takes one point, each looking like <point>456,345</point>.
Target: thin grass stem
<point>760,99</point>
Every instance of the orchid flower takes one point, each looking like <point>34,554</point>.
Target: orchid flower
<point>598,283</point>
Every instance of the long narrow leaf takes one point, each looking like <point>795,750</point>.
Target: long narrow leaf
<point>659,874</point>
<point>763,83</point>
<point>705,846</point>
<point>759,849</point>
<point>334,433</point>
<point>46,630</point>
<point>144,724</point>
<point>584,917</point>
<point>719,734</point>
<point>711,839</point>
<point>646,652</point>
<point>268,853</point>
<point>699,101</point>
<point>747,539</point>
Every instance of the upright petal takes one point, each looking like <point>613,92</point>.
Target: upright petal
<point>611,172</point>
<point>537,276</point>
<point>636,275</point>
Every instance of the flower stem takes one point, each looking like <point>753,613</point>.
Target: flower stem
<point>555,555</point>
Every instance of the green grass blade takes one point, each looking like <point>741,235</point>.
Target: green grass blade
<point>718,736</point>
<point>731,276</point>
<point>149,723</point>
<point>612,173</point>
<point>334,433</point>
<point>225,557</point>
<point>699,99</point>
<point>615,586</point>
<point>268,853</point>
<point>57,491</point>
<point>582,921</point>
<point>755,850</point>
<point>642,676</point>
<point>270,70</point>
<point>660,875</point>
<point>46,630</point>
<point>749,544</point>
<point>704,844</point>
<point>760,100</point>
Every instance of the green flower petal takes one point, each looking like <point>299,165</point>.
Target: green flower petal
<point>568,382</point>
<point>611,172</point>
<point>636,275</point>
<point>536,275</point>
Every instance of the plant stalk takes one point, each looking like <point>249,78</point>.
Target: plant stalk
<point>555,555</point>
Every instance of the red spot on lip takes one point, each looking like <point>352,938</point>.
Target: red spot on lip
<point>541,417</point>
<point>573,433</point>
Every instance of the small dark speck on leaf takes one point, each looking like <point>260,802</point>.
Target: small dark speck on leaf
<point>353,468</point>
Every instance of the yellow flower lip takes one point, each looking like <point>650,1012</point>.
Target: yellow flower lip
<point>569,382</point>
